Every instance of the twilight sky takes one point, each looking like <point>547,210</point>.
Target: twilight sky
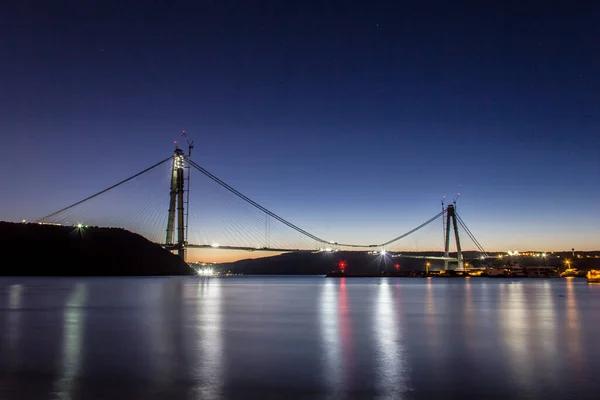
<point>351,119</point>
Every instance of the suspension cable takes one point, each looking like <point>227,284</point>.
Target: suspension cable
<point>412,230</point>
<point>255,204</point>
<point>105,190</point>
<point>295,227</point>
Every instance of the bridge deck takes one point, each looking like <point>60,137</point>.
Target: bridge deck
<point>282,250</point>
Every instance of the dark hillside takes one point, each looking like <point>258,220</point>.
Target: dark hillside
<point>51,250</point>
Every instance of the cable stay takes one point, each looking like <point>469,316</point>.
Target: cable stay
<point>105,190</point>
<point>471,236</point>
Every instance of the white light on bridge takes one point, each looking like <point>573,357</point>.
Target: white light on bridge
<point>215,245</point>
<point>328,250</point>
<point>206,272</point>
<point>79,226</point>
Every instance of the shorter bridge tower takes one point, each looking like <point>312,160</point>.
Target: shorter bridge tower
<point>451,219</point>
<point>176,205</point>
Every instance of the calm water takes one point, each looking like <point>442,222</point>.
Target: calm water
<point>298,337</point>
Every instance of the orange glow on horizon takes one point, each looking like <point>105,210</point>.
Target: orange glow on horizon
<point>225,256</point>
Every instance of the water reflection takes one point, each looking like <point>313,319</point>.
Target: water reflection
<point>15,299</point>
<point>13,321</point>
<point>573,324</point>
<point>546,324</point>
<point>430,315</point>
<point>15,293</point>
<point>516,334</point>
<point>73,323</point>
<point>391,353</point>
<point>209,332</point>
<point>468,311</point>
<point>163,328</point>
<point>345,325</point>
<point>304,337</point>
<point>329,324</point>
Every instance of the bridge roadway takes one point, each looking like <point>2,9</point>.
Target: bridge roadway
<point>280,250</point>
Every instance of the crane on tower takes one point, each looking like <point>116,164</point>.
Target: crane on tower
<point>190,144</point>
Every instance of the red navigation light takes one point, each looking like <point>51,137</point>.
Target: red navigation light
<point>397,266</point>
<point>342,264</point>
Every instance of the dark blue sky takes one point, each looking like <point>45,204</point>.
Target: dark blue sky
<point>350,118</point>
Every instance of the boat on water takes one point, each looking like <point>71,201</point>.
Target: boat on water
<point>593,275</point>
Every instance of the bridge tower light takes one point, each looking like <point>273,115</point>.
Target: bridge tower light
<point>176,204</point>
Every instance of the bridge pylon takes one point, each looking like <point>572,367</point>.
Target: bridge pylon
<point>451,219</point>
<point>176,205</point>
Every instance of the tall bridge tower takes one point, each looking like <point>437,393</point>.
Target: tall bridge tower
<point>176,205</point>
<point>451,219</point>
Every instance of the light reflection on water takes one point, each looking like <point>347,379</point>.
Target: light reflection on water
<point>516,326</point>
<point>430,316</point>
<point>310,337</point>
<point>573,335</point>
<point>390,346</point>
<point>330,336</point>
<point>14,303</point>
<point>73,331</point>
<point>209,333</point>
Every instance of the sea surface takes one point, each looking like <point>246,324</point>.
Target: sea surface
<point>268,337</point>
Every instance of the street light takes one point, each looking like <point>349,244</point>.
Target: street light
<point>427,264</point>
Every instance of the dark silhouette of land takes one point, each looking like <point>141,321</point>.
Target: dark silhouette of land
<point>356,262</point>
<point>322,263</point>
<point>51,250</point>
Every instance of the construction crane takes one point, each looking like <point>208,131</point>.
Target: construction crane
<point>190,144</point>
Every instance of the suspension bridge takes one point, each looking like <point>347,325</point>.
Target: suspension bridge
<point>162,215</point>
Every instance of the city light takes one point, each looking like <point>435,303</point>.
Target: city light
<point>79,226</point>
<point>382,252</point>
